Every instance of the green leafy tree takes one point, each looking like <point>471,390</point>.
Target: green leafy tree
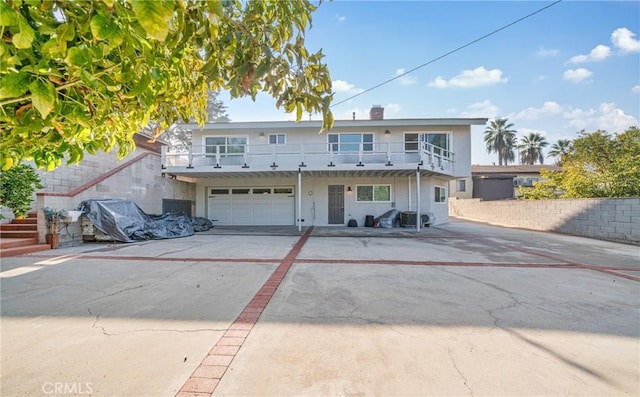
<point>17,186</point>
<point>560,149</point>
<point>531,147</point>
<point>600,165</point>
<point>500,138</point>
<point>84,76</point>
<point>177,135</point>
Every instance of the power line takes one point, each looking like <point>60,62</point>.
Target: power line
<point>448,53</point>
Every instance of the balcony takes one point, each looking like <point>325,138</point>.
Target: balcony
<point>309,156</point>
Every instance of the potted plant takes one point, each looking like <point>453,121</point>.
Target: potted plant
<point>52,218</point>
<point>17,185</point>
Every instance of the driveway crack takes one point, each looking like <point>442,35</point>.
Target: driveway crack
<point>186,331</point>
<point>455,366</point>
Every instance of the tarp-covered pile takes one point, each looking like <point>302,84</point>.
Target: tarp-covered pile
<point>389,219</point>
<point>125,221</point>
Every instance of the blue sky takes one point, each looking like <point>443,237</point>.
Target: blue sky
<point>573,66</point>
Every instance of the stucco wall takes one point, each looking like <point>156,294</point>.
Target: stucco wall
<point>140,181</point>
<point>314,209</point>
<point>606,219</point>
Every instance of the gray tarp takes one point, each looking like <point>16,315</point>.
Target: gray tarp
<point>389,219</point>
<point>126,222</point>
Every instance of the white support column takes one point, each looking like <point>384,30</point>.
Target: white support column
<point>418,200</point>
<point>410,193</point>
<point>299,211</point>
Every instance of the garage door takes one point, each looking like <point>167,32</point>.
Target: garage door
<point>252,205</point>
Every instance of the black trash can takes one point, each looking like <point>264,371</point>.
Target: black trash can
<point>352,223</point>
<point>368,221</point>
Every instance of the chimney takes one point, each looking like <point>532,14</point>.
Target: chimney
<point>376,113</point>
<point>354,115</point>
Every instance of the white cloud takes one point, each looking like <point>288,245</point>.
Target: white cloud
<point>599,53</point>
<point>576,75</point>
<point>526,131</point>
<point>549,108</point>
<point>343,86</point>
<point>392,109</point>
<point>636,89</point>
<point>543,52</point>
<point>481,109</point>
<point>405,80</point>
<point>341,18</point>
<point>624,40</point>
<point>471,78</point>
<point>606,117</point>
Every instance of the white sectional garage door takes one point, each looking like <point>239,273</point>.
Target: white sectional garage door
<point>251,205</point>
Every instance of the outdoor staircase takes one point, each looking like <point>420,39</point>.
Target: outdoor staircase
<point>20,237</point>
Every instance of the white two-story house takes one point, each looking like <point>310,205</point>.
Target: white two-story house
<point>287,173</point>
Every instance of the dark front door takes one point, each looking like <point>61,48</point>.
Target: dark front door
<point>336,204</point>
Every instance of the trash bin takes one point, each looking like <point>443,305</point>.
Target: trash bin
<point>368,221</point>
<point>352,223</point>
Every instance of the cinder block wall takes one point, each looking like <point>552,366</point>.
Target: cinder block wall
<point>141,181</point>
<point>606,219</point>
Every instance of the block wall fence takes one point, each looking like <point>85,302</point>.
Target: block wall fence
<point>616,219</point>
<point>137,177</point>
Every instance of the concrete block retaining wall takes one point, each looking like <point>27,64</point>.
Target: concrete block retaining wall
<point>615,219</point>
<point>137,177</point>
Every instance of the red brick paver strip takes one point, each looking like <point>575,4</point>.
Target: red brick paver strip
<point>207,375</point>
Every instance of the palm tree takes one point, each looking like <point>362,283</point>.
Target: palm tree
<point>531,148</point>
<point>500,138</point>
<point>560,149</point>
<point>508,154</point>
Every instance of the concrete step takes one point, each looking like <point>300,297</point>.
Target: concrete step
<point>17,242</point>
<point>19,226</point>
<point>18,233</point>
<point>25,221</point>
<point>25,249</point>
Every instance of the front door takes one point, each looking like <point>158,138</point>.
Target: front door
<point>336,204</point>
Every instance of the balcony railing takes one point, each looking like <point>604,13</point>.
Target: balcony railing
<point>313,155</point>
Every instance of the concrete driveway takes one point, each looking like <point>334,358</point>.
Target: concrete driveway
<point>459,309</point>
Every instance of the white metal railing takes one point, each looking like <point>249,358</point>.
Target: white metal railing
<point>316,155</point>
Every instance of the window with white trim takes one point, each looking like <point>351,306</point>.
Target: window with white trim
<point>461,185</point>
<point>277,139</point>
<point>225,145</point>
<point>350,142</point>
<point>439,140</point>
<point>373,193</point>
<point>440,194</point>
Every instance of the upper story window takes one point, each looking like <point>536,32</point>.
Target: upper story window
<point>439,140</point>
<point>277,139</point>
<point>350,142</point>
<point>226,145</point>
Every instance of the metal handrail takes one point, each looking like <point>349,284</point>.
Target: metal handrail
<point>305,154</point>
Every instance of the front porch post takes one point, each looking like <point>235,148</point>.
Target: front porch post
<point>299,210</point>
<point>418,217</point>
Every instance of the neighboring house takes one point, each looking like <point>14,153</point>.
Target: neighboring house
<point>492,182</point>
<point>286,173</point>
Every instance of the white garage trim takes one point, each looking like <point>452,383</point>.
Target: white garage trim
<point>255,205</point>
